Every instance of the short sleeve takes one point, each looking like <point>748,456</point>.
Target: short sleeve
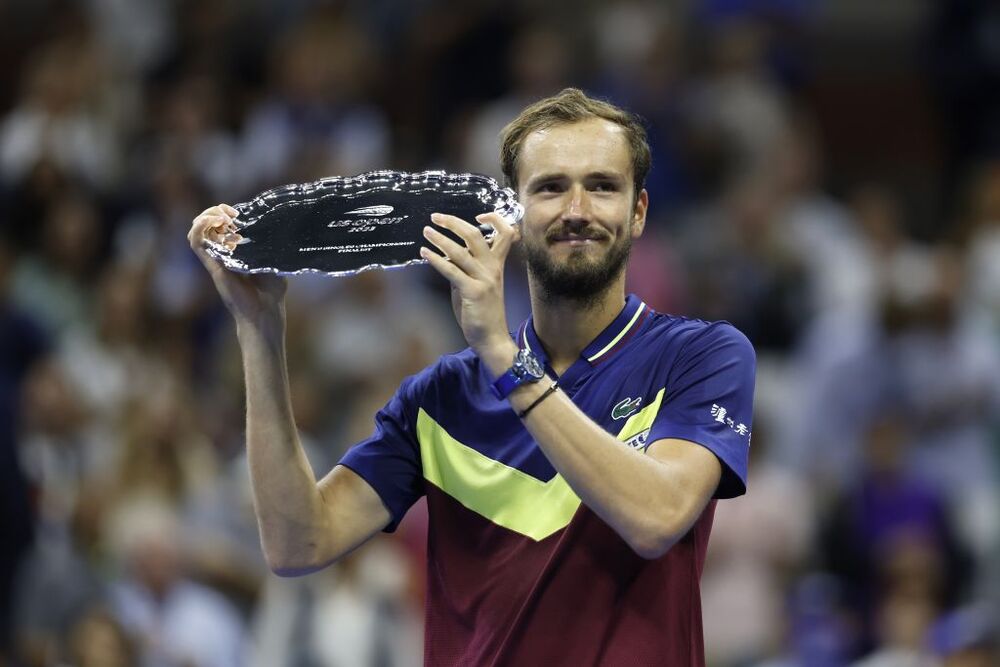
<point>709,401</point>
<point>389,460</point>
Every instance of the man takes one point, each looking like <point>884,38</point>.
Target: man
<point>570,491</point>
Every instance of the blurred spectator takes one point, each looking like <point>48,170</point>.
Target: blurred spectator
<point>760,542</point>
<point>902,623</point>
<point>55,284</point>
<point>818,635</point>
<point>316,122</point>
<point>813,227</point>
<point>110,359</point>
<point>738,266</point>
<point>173,620</point>
<point>163,454</point>
<point>737,102</point>
<point>863,263</point>
<point>982,241</point>
<point>539,63</point>
<point>190,133</point>
<point>137,35</point>
<point>58,451</point>
<point>642,66</point>
<point>59,579</point>
<point>897,267</point>
<point>23,345</point>
<point>354,613</point>
<point>892,542</point>
<point>966,637</point>
<point>655,271</point>
<point>450,63</point>
<point>65,115</point>
<point>379,326</point>
<point>98,640</point>
<point>949,377</point>
<point>60,585</point>
<point>151,237</point>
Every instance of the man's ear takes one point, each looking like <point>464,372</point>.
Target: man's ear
<point>639,213</point>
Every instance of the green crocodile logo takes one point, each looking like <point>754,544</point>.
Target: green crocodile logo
<point>625,408</point>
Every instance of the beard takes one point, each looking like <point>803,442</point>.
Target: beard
<point>579,279</point>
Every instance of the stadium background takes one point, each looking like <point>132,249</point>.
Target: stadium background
<point>826,176</point>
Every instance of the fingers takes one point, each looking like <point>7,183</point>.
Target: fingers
<point>211,219</point>
<point>459,256</point>
<point>506,234</point>
<point>215,225</point>
<point>473,238</point>
<point>453,274</point>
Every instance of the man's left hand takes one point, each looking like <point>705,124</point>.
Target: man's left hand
<point>475,272</point>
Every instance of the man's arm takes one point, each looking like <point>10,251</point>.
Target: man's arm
<point>304,526</point>
<point>650,500</point>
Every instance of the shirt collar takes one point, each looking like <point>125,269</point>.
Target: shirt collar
<point>607,343</point>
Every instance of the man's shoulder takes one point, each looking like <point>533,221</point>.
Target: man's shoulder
<point>448,370</point>
<point>687,334</point>
<point>454,386</point>
<point>453,365</point>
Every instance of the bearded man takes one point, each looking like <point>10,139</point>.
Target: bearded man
<point>571,467</point>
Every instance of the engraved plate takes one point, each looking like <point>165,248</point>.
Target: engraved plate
<point>342,226</point>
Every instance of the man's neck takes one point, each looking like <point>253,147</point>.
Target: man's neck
<point>565,328</point>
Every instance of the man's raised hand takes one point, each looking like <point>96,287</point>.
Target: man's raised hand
<point>248,297</point>
<point>475,272</point>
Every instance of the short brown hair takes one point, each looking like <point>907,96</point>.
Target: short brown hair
<point>569,106</point>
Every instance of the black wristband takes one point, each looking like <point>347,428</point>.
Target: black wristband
<point>523,413</point>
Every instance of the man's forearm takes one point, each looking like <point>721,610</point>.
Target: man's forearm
<point>627,489</point>
<point>649,502</point>
<point>288,505</point>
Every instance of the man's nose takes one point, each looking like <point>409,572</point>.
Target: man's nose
<point>578,206</point>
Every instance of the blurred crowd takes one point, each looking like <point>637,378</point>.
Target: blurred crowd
<point>871,532</point>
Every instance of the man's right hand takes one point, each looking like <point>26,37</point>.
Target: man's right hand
<point>248,297</point>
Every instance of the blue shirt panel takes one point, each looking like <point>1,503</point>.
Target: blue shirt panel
<point>389,459</point>
<point>706,368</point>
<point>709,396</point>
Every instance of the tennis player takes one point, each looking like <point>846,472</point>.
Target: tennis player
<point>571,467</point>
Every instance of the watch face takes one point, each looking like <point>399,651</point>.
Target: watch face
<point>529,362</point>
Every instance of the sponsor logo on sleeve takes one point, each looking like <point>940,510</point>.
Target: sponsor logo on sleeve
<point>721,415</point>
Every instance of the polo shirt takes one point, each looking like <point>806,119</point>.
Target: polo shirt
<point>520,572</point>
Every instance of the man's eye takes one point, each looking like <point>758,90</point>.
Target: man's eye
<point>604,186</point>
<point>549,187</point>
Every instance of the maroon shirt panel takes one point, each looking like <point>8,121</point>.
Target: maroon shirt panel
<point>579,597</point>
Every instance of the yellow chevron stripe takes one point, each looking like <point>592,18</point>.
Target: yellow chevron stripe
<point>643,419</point>
<point>505,495</point>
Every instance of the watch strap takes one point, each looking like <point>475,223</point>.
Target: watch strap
<point>525,368</point>
<point>505,384</point>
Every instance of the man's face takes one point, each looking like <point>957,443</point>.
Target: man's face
<point>580,208</point>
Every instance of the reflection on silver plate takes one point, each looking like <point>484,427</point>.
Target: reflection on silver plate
<point>342,226</point>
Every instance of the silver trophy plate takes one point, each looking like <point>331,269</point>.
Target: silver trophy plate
<point>342,226</point>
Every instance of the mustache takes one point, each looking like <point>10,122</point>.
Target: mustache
<point>563,232</point>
